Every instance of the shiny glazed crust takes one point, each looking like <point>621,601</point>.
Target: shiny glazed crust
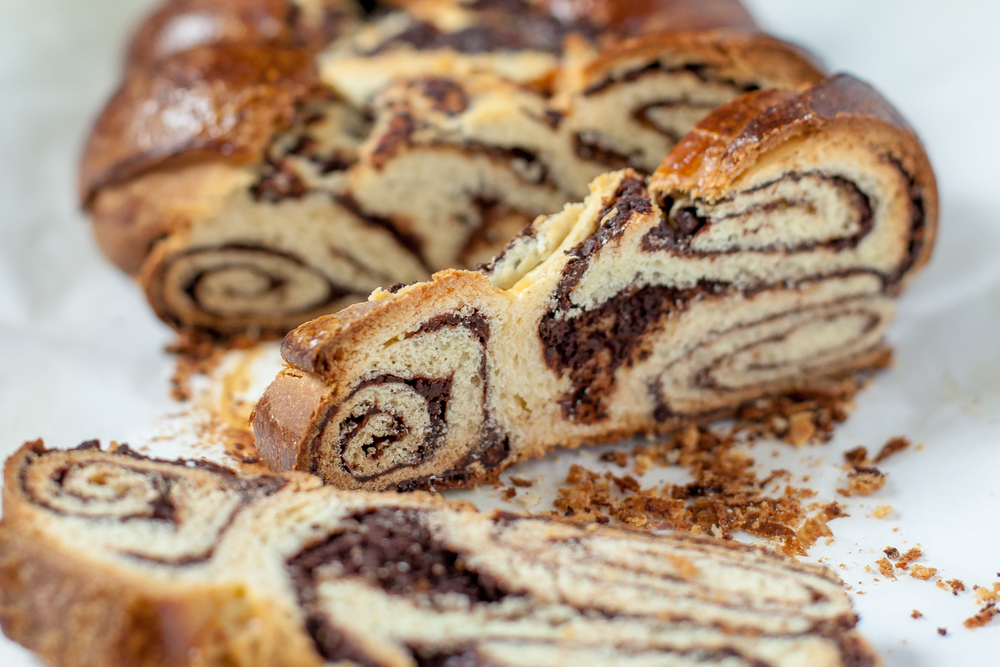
<point>762,258</point>
<point>110,558</point>
<point>238,149</point>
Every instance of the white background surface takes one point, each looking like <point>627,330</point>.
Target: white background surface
<point>81,354</point>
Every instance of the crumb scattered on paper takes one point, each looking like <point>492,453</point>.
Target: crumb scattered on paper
<point>893,446</point>
<point>882,511</point>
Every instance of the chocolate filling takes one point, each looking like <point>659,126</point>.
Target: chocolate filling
<point>448,97</point>
<point>436,392</point>
<point>162,507</point>
<point>243,260</point>
<point>278,181</point>
<point>918,225</point>
<point>524,163</point>
<point>704,73</point>
<point>461,659</point>
<point>679,227</point>
<point>413,243</point>
<point>392,549</point>
<point>591,347</point>
<point>393,139</point>
<point>590,149</point>
<point>492,449</point>
<point>503,25</point>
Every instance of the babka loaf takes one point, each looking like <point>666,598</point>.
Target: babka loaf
<point>111,559</point>
<point>268,161</point>
<point>761,258</point>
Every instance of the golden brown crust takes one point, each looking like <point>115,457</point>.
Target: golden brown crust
<point>179,25</point>
<point>729,140</point>
<point>285,418</point>
<point>643,17</point>
<point>319,346</point>
<point>738,54</point>
<point>216,101</point>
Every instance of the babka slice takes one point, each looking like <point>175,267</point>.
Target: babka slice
<point>111,559</point>
<point>762,258</point>
<point>269,161</point>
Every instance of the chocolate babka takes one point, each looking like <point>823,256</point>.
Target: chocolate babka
<point>111,559</point>
<point>762,258</point>
<point>268,161</point>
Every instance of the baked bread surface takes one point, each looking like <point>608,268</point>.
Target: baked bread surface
<point>110,558</point>
<point>762,258</point>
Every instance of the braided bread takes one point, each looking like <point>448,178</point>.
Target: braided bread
<point>761,258</point>
<point>111,559</point>
<point>269,161</point>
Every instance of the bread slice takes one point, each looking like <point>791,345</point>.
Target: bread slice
<point>255,183</point>
<point>112,559</point>
<point>762,258</point>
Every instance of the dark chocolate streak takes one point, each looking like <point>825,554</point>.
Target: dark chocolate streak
<point>503,25</point>
<point>374,546</point>
<point>642,117</point>
<point>589,149</point>
<point>162,507</point>
<point>333,293</point>
<point>705,73</point>
<point>704,377</point>
<point>918,224</point>
<point>435,391</point>
<point>413,243</point>
<point>448,97</point>
<point>592,346</point>
<point>404,125</point>
<point>677,229</point>
<point>493,446</point>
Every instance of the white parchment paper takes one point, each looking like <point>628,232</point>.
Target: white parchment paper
<point>81,354</point>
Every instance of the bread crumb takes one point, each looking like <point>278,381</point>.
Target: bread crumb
<point>856,457</point>
<point>619,458</point>
<point>800,428</point>
<point>910,556</point>
<point>885,567</point>
<point>942,631</point>
<point>916,614</point>
<point>509,493</point>
<point>520,482</point>
<point>882,511</point>
<point>891,552</point>
<point>921,572</point>
<point>863,482</point>
<point>956,585</point>
<point>891,447</point>
<point>985,615</point>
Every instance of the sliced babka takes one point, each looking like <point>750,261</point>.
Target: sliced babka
<point>268,161</point>
<point>113,559</point>
<point>763,257</point>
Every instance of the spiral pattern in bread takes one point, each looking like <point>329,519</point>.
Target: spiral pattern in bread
<point>289,158</point>
<point>299,575</point>
<point>762,258</point>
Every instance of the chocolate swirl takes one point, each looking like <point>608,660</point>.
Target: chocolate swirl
<point>393,426</point>
<point>139,506</point>
<point>383,579</point>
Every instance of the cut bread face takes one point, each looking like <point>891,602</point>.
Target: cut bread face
<point>252,185</point>
<point>762,258</point>
<point>110,558</point>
